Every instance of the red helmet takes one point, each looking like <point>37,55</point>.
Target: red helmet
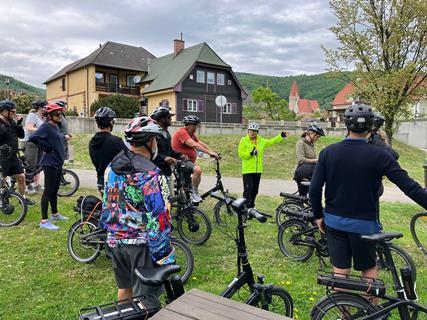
<point>51,108</point>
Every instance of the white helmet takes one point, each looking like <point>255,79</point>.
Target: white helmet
<point>253,126</point>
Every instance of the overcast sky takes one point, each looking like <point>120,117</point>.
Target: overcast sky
<point>38,37</point>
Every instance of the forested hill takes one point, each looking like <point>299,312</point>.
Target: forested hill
<point>19,86</point>
<point>321,87</point>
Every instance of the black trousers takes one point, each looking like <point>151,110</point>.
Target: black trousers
<point>52,178</point>
<point>250,187</point>
<point>302,190</point>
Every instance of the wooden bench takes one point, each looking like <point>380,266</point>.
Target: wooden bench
<point>197,304</point>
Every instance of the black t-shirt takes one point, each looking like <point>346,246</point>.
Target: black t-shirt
<point>9,134</point>
<point>164,149</point>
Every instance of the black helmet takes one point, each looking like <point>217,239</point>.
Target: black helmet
<point>378,121</point>
<point>104,116</point>
<point>141,129</point>
<point>359,118</point>
<point>316,129</point>
<point>61,103</point>
<point>191,119</point>
<point>161,112</point>
<point>39,103</point>
<point>7,105</point>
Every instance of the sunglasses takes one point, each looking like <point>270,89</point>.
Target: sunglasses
<point>56,114</point>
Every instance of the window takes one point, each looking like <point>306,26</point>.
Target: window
<point>193,105</point>
<point>164,103</point>
<point>114,79</point>
<point>220,79</point>
<point>229,82</point>
<point>100,77</point>
<point>129,80</point>
<point>200,76</point>
<point>211,78</point>
<point>230,108</point>
<point>63,84</point>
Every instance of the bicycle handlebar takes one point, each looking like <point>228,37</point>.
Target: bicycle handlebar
<point>260,216</point>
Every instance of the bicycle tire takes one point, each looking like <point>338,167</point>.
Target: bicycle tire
<point>279,301</point>
<point>342,306</point>
<point>224,214</point>
<point>418,228</point>
<point>285,239</point>
<point>93,250</point>
<point>71,184</point>
<point>184,258</point>
<point>9,202</point>
<point>281,210</point>
<point>186,219</point>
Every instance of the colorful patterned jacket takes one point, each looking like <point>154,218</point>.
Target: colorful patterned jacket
<point>135,206</point>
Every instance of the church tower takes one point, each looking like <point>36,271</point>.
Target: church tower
<point>294,97</point>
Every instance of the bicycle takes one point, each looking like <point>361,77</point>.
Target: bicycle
<point>298,239</point>
<point>265,296</point>
<point>418,228</point>
<point>350,302</point>
<point>193,225</point>
<point>13,207</point>
<point>134,308</point>
<point>291,201</point>
<point>86,241</point>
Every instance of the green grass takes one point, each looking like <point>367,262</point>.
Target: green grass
<point>281,156</point>
<point>39,280</point>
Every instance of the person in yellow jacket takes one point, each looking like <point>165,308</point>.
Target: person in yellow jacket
<point>251,151</point>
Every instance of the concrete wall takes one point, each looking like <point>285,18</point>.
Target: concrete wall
<point>413,133</point>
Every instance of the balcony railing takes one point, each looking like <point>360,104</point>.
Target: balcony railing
<point>107,87</point>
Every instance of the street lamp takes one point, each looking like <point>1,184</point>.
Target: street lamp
<point>7,81</point>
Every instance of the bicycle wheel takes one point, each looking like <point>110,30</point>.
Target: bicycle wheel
<point>419,231</point>
<point>79,249</point>
<point>13,208</point>
<point>281,210</point>
<point>342,306</point>
<point>224,214</point>
<point>290,243</point>
<point>278,299</point>
<point>184,258</point>
<point>69,183</point>
<point>194,226</point>
<point>401,259</point>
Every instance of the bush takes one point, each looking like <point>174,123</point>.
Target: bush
<point>125,107</point>
<point>23,102</point>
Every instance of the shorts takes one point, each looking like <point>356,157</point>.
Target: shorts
<point>11,167</point>
<point>347,246</point>
<point>124,260</point>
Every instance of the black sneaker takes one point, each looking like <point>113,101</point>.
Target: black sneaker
<point>30,202</point>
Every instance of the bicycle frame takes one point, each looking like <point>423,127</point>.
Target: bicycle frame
<point>321,249</point>
<point>218,186</point>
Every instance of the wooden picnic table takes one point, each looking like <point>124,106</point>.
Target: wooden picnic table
<point>200,305</point>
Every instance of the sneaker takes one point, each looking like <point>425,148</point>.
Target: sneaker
<point>30,190</point>
<point>29,202</point>
<point>196,198</point>
<point>58,217</point>
<point>38,188</point>
<point>48,225</point>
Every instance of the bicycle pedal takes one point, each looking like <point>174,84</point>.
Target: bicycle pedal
<point>261,278</point>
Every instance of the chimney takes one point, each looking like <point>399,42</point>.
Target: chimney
<point>178,45</point>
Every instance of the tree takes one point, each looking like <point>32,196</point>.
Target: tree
<point>23,102</point>
<point>271,103</point>
<point>385,41</point>
<point>124,106</point>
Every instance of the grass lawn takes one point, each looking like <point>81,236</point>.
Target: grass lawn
<point>281,155</point>
<point>39,280</point>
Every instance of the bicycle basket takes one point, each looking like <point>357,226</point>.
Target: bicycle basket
<point>87,205</point>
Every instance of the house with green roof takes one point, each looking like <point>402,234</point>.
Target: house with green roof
<point>187,80</point>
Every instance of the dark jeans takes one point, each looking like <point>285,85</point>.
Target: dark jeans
<point>250,187</point>
<point>52,178</point>
<point>302,190</point>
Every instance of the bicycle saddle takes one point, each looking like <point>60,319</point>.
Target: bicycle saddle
<point>155,276</point>
<point>382,237</point>
<point>293,196</point>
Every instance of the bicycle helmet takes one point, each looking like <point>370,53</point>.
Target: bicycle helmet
<point>7,105</point>
<point>140,130</point>
<point>191,119</point>
<point>51,108</point>
<point>253,126</point>
<point>161,112</point>
<point>38,104</point>
<point>378,121</point>
<point>104,116</point>
<point>359,118</point>
<point>316,129</point>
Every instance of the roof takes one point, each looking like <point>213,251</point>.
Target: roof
<point>307,106</point>
<point>294,90</point>
<point>167,71</point>
<point>111,54</point>
<point>344,96</point>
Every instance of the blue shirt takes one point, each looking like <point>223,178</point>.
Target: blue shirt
<point>351,224</point>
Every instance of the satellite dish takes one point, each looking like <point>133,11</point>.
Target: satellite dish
<point>137,79</point>
<point>99,75</point>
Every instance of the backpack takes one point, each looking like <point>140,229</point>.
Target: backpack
<point>86,205</point>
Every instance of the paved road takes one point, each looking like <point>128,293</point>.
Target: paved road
<point>269,187</point>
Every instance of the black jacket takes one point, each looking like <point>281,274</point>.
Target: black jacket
<point>352,171</point>
<point>164,149</point>
<point>379,142</point>
<point>10,131</point>
<point>103,147</point>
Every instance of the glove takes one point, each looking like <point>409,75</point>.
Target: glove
<point>254,152</point>
<point>284,134</point>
